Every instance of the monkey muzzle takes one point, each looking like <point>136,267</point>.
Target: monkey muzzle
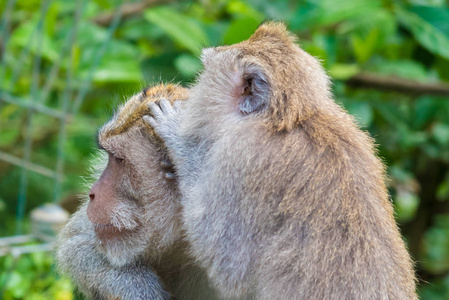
<point>106,232</point>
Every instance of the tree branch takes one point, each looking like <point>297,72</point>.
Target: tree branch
<point>127,10</point>
<point>407,86</point>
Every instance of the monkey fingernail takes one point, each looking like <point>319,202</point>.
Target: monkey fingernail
<point>170,176</point>
<point>150,120</point>
<point>166,164</point>
<point>165,105</point>
<point>155,109</point>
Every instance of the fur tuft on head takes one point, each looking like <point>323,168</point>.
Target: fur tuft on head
<point>130,114</point>
<point>275,31</point>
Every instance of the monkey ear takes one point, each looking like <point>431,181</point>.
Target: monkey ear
<point>255,93</point>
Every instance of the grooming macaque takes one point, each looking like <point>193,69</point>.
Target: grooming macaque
<point>127,241</point>
<point>283,195</point>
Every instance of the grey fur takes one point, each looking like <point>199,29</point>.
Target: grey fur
<point>92,272</point>
<point>152,262</point>
<point>290,202</point>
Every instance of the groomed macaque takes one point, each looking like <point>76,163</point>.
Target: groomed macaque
<point>127,241</point>
<point>283,195</point>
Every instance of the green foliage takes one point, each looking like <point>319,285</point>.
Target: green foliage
<point>429,26</point>
<point>185,31</point>
<point>32,277</point>
<point>387,38</point>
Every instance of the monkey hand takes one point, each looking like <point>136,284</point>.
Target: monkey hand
<point>165,120</point>
<point>168,167</point>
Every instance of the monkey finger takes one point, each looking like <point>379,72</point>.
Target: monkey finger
<point>155,110</point>
<point>165,106</point>
<point>150,120</point>
<point>166,164</point>
<point>170,176</point>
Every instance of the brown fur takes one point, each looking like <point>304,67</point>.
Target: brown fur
<point>131,113</point>
<point>283,195</point>
<point>132,247</point>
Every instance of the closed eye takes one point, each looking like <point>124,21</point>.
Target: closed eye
<point>114,157</point>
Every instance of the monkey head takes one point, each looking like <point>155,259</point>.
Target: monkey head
<point>134,205</point>
<point>267,76</point>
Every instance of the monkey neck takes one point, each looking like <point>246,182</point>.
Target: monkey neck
<point>171,259</point>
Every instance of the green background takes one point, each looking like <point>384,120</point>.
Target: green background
<point>359,42</point>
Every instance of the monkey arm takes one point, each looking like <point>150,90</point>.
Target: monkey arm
<point>95,277</point>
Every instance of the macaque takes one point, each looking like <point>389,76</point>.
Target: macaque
<point>126,241</point>
<point>283,195</point>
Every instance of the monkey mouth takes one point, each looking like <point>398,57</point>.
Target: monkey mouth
<point>107,232</point>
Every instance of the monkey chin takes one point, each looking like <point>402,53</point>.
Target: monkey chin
<point>121,247</point>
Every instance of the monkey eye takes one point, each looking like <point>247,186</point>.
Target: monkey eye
<point>113,157</point>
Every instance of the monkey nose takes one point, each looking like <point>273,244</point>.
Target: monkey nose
<point>91,196</point>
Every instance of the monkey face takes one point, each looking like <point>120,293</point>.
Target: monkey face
<point>134,205</point>
<point>105,202</point>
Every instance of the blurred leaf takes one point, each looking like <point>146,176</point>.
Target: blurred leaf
<point>183,30</point>
<point>8,110</point>
<point>401,68</point>
<point>443,191</point>
<point>364,46</point>
<point>17,285</point>
<point>325,12</point>
<point>7,136</point>
<point>437,16</point>
<point>441,133</point>
<point>442,66</point>
<point>435,289</point>
<point>324,47</point>
<point>51,18</point>
<point>160,68</point>
<point>216,31</point>
<point>277,10</point>
<point>380,20</point>
<point>428,2</point>
<point>436,246</point>
<point>240,29</point>
<point>25,37</point>
<point>406,203</point>
<point>424,111</point>
<point>399,174</point>
<point>362,111</point>
<point>188,65</point>
<point>105,4</point>
<point>122,50</point>
<point>426,33</point>
<point>119,62</point>
<point>89,34</point>
<point>344,71</point>
<point>242,9</point>
<point>137,29</point>
<point>120,70</point>
<point>2,205</point>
